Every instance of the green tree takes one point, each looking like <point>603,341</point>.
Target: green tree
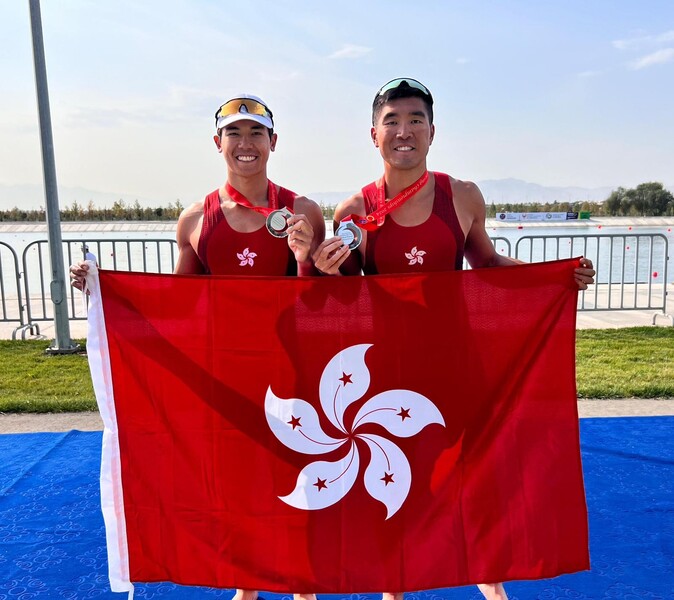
<point>647,199</point>
<point>118,210</point>
<point>137,211</point>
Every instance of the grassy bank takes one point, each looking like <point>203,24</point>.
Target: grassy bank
<point>611,363</point>
<point>32,381</point>
<point>624,363</point>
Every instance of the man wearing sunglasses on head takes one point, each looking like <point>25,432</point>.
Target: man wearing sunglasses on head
<point>249,225</point>
<point>443,218</point>
<point>412,220</point>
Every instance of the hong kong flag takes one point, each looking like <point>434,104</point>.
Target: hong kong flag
<point>345,434</point>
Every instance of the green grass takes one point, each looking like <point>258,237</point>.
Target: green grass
<point>32,381</point>
<point>634,362</point>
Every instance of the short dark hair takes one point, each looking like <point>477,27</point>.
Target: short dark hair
<point>402,90</point>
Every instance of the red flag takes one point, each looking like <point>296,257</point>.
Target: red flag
<point>346,434</point>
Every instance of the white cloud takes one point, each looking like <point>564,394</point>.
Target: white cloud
<point>656,58</point>
<point>351,51</point>
<point>462,60</point>
<point>666,37</point>
<point>644,40</point>
<point>587,74</point>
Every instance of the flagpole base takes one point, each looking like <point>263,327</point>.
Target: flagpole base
<point>73,349</point>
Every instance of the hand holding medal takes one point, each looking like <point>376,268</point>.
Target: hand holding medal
<point>331,254</point>
<point>349,230</point>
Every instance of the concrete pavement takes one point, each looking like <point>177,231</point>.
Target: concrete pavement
<point>91,421</point>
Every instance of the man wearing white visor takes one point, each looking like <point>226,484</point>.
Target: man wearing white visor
<point>248,226</point>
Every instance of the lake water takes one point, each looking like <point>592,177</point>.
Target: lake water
<point>622,248</point>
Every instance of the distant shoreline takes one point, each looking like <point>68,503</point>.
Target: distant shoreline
<point>169,226</point>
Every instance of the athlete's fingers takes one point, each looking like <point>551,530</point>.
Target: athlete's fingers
<point>327,248</point>
<point>336,260</point>
<point>331,244</point>
<point>330,255</point>
<point>78,273</point>
<point>300,223</point>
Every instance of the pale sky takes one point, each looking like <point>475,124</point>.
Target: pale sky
<point>565,93</point>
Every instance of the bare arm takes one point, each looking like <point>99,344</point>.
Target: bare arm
<point>305,234</point>
<point>479,249</point>
<point>187,236</point>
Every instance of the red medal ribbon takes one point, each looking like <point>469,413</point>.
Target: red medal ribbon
<point>376,218</point>
<point>241,200</point>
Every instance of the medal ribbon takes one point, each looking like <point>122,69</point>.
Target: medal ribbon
<point>241,200</point>
<point>376,218</point>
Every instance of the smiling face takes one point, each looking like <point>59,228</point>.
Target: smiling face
<point>245,146</point>
<point>403,133</point>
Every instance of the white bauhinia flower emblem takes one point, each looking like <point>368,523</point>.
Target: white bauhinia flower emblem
<point>246,257</point>
<point>415,256</point>
<point>345,380</point>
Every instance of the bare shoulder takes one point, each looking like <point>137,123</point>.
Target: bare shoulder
<point>468,198</point>
<point>193,211</point>
<point>307,206</point>
<point>353,205</point>
<point>466,191</point>
<point>188,221</point>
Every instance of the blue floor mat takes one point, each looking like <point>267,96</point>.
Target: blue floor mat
<point>52,539</point>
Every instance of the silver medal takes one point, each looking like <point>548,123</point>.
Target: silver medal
<point>277,222</point>
<point>350,233</point>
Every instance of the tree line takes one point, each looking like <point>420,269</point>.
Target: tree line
<point>645,200</point>
<point>119,211</point>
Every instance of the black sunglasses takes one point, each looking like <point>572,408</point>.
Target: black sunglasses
<point>404,82</point>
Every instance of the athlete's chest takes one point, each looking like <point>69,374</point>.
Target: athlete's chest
<point>429,246</point>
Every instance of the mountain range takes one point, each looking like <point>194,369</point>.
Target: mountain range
<point>495,191</point>
<point>511,191</point>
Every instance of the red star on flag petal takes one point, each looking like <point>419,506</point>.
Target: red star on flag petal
<point>320,484</point>
<point>346,378</point>
<point>295,422</point>
<point>387,478</point>
<point>404,413</point>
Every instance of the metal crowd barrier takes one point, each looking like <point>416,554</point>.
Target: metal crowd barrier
<point>144,255</point>
<point>12,308</point>
<point>631,270</point>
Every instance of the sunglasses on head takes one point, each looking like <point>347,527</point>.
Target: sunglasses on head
<point>243,105</point>
<point>404,82</point>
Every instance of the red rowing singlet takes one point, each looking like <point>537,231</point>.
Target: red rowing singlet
<point>434,245</point>
<point>225,251</point>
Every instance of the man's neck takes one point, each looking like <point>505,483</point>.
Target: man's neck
<point>397,180</point>
<point>253,188</point>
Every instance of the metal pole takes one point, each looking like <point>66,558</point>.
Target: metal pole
<point>62,344</point>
